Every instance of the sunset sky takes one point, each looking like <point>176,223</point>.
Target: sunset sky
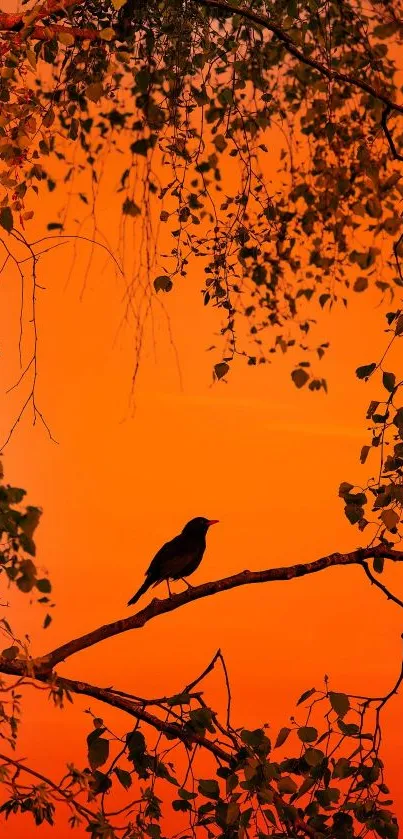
<point>253,452</point>
<point>263,458</point>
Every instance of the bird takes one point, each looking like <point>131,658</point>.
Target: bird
<point>178,558</point>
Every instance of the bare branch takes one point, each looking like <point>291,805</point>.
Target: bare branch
<point>380,585</point>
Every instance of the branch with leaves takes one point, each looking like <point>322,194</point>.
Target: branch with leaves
<point>193,93</point>
<point>333,782</point>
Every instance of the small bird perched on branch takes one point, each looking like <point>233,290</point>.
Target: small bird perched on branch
<point>178,558</point>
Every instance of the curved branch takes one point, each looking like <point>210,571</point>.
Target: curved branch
<point>160,607</point>
<point>291,47</point>
<point>43,666</point>
<point>14,22</point>
<point>136,710</point>
<point>380,585</point>
<point>55,787</point>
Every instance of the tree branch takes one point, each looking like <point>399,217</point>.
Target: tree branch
<point>14,22</point>
<point>45,664</point>
<point>55,787</point>
<point>292,49</point>
<point>168,728</point>
<point>160,607</point>
<point>136,710</point>
<point>384,123</point>
<point>380,585</point>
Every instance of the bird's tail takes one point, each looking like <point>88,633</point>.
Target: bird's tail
<point>146,585</point>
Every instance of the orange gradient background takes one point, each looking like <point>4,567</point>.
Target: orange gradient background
<point>255,453</point>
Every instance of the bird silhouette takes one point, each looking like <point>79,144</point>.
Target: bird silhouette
<point>178,558</point>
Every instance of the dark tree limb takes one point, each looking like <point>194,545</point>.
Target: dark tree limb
<point>292,49</point>
<point>384,123</point>
<point>160,607</point>
<point>11,23</point>
<point>45,664</point>
<point>380,585</point>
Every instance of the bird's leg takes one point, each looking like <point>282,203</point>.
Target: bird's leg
<point>169,590</point>
<point>189,585</point>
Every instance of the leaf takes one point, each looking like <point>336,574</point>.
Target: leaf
<point>365,371</point>
<point>313,756</point>
<point>350,729</point>
<point>163,283</point>
<point>390,518</point>
<point>181,806</point>
<point>220,142</point>
<point>287,786</point>
<point>186,795</point>
<point>6,219</point>
<point>327,796</point>
<point>299,377</point>
<point>130,208</point>
<point>364,453</point>
<point>221,369</point>
<point>98,748</point>
<point>10,653</point>
<point>209,788</point>
<point>361,284</point>
<point>282,736</point>
<point>307,734</point>
<point>342,768</point>
<point>107,34</point>
<point>47,621</point>
<point>65,38</point>
<point>136,743</point>
<point>44,586</point>
<point>372,408</point>
<point>94,91</point>
<point>399,325</point>
<point>309,692</point>
<point>340,703</point>
<point>306,785</point>
<point>345,488</point>
<point>140,147</point>
<point>124,777</point>
<point>373,207</point>
<point>354,513</point>
<point>389,381</point>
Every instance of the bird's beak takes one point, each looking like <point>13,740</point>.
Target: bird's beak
<point>213,521</point>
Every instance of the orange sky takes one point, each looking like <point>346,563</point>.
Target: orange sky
<point>258,455</point>
<point>255,453</point>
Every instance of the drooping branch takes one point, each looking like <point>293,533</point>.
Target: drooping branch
<point>14,22</point>
<point>380,585</point>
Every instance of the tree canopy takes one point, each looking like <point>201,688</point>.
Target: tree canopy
<point>264,139</point>
<point>263,142</point>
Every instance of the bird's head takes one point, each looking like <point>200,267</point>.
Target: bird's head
<point>199,525</point>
